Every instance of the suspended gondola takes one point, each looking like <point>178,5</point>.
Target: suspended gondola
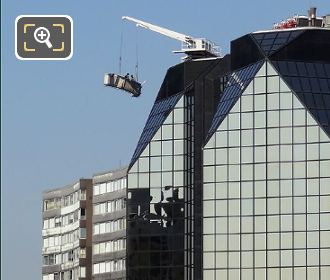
<point>194,48</point>
<point>127,83</point>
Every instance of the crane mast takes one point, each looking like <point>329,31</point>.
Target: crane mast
<point>193,47</point>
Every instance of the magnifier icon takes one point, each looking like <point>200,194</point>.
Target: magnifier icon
<point>41,35</point>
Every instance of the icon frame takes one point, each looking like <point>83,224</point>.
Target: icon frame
<point>40,58</point>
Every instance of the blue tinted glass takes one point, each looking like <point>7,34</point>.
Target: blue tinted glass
<point>282,67</point>
<point>281,41</point>
<point>158,114</point>
<point>320,72</point>
<point>324,85</point>
<point>275,47</point>
<point>292,68</point>
<point>310,69</point>
<point>238,81</point>
<point>283,35</point>
<point>319,100</point>
<point>306,87</point>
<point>273,41</point>
<point>267,42</point>
<point>323,118</point>
<point>327,101</point>
<point>270,35</point>
<point>327,69</point>
<point>259,36</point>
<point>301,69</point>
<point>296,83</point>
<point>315,85</point>
<point>309,100</point>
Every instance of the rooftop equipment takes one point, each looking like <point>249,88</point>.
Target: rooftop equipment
<point>326,21</point>
<point>303,21</point>
<point>193,47</point>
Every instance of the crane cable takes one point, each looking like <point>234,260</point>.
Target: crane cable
<point>136,52</point>
<point>121,48</point>
<point>137,55</point>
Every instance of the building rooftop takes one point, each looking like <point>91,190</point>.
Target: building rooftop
<point>110,175</point>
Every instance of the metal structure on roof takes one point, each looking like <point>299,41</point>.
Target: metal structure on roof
<point>192,47</point>
<point>304,21</point>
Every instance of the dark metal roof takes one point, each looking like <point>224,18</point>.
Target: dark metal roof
<point>311,84</point>
<point>270,42</point>
<point>312,45</point>
<point>110,175</point>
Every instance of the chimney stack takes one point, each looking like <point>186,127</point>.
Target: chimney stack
<point>312,16</point>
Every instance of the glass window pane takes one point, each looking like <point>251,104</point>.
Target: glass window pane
<point>273,118</point>
<point>273,84</point>
<point>247,120</point>
<point>286,100</point>
<point>247,103</point>
<point>260,119</point>
<point>260,85</point>
<point>260,102</point>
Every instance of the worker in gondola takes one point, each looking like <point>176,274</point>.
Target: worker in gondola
<point>132,78</point>
<point>127,76</point>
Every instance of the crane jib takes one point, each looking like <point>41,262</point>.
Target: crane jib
<point>193,47</point>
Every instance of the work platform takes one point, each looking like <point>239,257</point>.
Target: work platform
<point>123,83</point>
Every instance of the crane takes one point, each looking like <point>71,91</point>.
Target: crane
<point>193,47</point>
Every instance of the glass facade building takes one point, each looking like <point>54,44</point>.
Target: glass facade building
<point>157,219</point>
<point>231,176</point>
<point>162,187</point>
<point>266,179</point>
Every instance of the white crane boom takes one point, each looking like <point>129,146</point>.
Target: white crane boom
<point>193,47</point>
<point>164,31</point>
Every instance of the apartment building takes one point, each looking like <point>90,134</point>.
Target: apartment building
<point>109,225</point>
<point>67,232</point>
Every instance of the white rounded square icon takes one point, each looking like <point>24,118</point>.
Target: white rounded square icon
<point>43,37</point>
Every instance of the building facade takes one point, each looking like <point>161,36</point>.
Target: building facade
<point>230,177</point>
<point>67,232</point>
<point>109,225</point>
<point>266,183</point>
<point>164,179</point>
<point>84,229</point>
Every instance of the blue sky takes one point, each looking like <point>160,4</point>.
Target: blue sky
<point>60,124</point>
